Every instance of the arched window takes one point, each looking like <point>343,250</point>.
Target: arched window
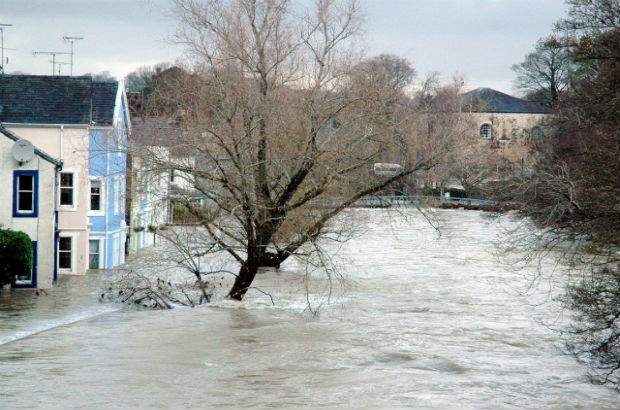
<point>536,133</point>
<point>486,131</point>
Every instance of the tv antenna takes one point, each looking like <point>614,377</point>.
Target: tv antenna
<point>59,64</point>
<point>50,53</point>
<point>72,40</point>
<point>2,26</point>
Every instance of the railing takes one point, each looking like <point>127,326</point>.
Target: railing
<point>384,201</point>
<point>471,200</point>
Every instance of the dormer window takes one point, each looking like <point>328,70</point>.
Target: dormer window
<point>486,131</point>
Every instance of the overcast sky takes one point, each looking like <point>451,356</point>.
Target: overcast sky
<point>479,39</point>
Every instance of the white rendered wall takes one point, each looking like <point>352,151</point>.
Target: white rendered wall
<point>41,228</point>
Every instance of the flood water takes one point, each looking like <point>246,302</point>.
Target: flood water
<point>420,320</point>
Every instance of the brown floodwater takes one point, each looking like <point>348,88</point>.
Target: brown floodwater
<point>418,320</point>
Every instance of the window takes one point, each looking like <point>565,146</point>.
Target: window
<point>486,131</point>
<point>25,187</point>
<point>25,193</point>
<point>96,196</point>
<point>66,188</point>
<point>536,133</point>
<point>65,252</point>
<point>94,254</point>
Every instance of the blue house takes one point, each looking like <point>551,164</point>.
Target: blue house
<point>107,175</point>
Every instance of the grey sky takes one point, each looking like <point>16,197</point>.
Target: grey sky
<point>479,39</point>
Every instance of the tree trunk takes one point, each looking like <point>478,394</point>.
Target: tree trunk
<point>244,279</point>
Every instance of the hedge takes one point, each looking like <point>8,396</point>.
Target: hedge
<point>15,255</point>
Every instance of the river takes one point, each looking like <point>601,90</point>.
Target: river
<point>419,320</point>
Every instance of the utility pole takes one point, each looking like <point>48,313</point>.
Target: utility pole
<point>2,26</point>
<point>72,40</point>
<point>50,53</point>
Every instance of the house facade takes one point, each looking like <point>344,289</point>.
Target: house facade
<point>107,176</point>
<point>507,124</point>
<point>64,117</point>
<point>149,181</point>
<point>150,201</point>
<point>31,206</point>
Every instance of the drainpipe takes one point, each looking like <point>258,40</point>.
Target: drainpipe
<point>62,142</point>
<point>56,230</point>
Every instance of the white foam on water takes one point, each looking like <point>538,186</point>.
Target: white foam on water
<point>47,325</point>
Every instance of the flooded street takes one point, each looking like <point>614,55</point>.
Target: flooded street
<point>420,320</point>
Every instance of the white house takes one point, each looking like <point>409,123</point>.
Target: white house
<point>30,177</point>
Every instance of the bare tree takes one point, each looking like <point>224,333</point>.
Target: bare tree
<point>544,74</point>
<point>279,133</point>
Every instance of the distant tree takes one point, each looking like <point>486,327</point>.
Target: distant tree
<point>428,90</point>
<point>137,80</point>
<point>103,76</point>
<point>544,74</point>
<point>394,71</point>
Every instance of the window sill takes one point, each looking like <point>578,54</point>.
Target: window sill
<point>24,284</point>
<point>25,215</point>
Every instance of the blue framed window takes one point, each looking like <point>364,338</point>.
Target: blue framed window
<point>25,194</point>
<point>29,281</point>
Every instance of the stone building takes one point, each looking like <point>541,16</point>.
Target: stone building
<point>508,125</point>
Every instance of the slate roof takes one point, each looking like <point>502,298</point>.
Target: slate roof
<point>33,99</point>
<point>104,100</point>
<point>489,100</point>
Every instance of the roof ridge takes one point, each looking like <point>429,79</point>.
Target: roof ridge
<point>490,100</point>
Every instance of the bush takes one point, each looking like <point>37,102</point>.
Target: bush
<point>15,255</point>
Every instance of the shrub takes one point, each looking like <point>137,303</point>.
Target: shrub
<point>15,255</point>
